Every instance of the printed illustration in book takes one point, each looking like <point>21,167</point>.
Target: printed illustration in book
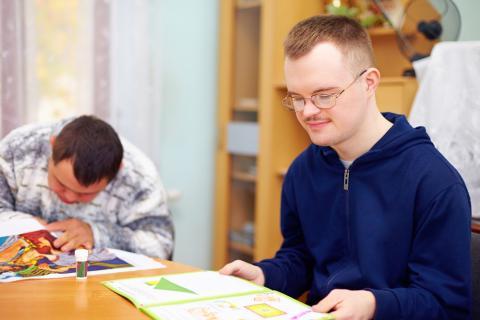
<point>207,295</point>
<point>27,252</point>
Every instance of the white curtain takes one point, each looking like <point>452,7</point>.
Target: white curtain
<point>134,77</point>
<point>12,65</point>
<point>59,59</point>
<point>45,63</point>
<point>448,105</point>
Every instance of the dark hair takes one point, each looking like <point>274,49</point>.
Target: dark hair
<point>345,33</point>
<point>93,147</point>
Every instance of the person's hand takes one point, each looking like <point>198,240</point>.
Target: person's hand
<point>41,221</point>
<point>247,271</point>
<point>76,233</point>
<point>348,304</point>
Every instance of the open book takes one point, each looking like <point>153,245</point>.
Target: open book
<point>208,295</point>
<point>27,252</point>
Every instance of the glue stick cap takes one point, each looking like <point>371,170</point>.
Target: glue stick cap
<point>81,254</point>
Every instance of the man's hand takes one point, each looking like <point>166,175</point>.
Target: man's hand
<point>244,270</point>
<point>348,304</point>
<point>41,221</point>
<point>76,233</point>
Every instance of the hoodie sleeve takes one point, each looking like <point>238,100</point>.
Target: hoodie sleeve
<point>8,179</point>
<point>290,271</point>
<point>150,233</point>
<point>439,269</point>
<point>144,222</point>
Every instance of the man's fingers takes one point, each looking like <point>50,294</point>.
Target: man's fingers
<point>244,270</point>
<point>344,314</point>
<point>231,268</point>
<point>329,302</point>
<point>76,233</point>
<point>70,245</point>
<point>75,242</point>
<point>337,315</point>
<point>238,268</point>
<point>56,226</point>
<point>87,245</point>
<point>60,241</point>
<point>66,242</point>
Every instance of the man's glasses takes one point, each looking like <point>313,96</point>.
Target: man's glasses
<point>319,100</point>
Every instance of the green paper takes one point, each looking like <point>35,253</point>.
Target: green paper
<point>165,284</point>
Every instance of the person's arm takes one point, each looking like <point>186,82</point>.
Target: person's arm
<point>290,271</point>
<point>8,184</point>
<point>438,283</point>
<point>244,270</point>
<point>7,210</point>
<point>144,225</point>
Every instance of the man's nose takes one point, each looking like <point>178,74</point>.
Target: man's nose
<point>70,196</point>
<point>310,109</point>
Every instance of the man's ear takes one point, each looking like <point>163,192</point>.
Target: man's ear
<point>52,141</point>
<point>372,79</point>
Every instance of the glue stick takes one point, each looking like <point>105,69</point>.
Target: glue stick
<point>81,257</point>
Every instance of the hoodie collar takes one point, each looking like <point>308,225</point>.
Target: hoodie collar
<point>399,137</point>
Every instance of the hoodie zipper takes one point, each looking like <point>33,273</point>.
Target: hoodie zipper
<point>346,176</point>
<point>346,182</point>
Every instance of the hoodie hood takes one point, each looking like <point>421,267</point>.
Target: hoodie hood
<point>399,137</point>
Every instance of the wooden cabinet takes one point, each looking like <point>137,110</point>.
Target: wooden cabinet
<point>251,86</point>
<point>396,94</point>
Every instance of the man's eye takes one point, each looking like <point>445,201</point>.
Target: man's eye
<point>324,95</point>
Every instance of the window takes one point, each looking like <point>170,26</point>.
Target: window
<point>61,58</point>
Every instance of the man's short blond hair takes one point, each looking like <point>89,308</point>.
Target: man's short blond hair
<point>345,33</point>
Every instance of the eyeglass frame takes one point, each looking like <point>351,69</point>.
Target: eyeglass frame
<point>290,106</point>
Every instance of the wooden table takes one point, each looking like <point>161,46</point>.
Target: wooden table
<point>68,298</point>
<point>476,226</point>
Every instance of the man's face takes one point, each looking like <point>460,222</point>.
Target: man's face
<point>62,181</point>
<point>325,70</point>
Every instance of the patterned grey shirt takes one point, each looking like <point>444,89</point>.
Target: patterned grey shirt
<point>131,213</point>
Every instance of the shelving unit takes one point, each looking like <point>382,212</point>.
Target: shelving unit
<point>247,4</point>
<point>251,87</point>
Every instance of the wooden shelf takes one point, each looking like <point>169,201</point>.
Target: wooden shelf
<point>396,94</point>
<point>381,31</point>
<point>241,247</point>
<point>244,176</point>
<point>248,4</point>
<point>250,66</point>
<point>395,80</point>
<point>246,108</point>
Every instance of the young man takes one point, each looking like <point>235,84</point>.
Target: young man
<point>83,183</point>
<point>376,223</point>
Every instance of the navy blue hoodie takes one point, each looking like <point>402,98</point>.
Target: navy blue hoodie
<point>396,223</point>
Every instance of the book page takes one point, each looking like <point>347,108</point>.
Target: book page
<point>257,306</point>
<point>27,252</point>
<point>18,226</point>
<point>181,287</point>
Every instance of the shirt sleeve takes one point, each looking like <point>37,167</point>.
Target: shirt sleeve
<point>144,225</point>
<point>290,271</point>
<point>439,270</point>
<point>8,184</point>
